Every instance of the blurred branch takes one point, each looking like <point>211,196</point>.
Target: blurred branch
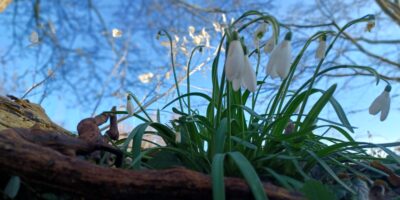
<point>391,9</point>
<point>377,41</point>
<point>198,8</point>
<point>369,53</point>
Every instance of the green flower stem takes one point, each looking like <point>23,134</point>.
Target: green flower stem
<point>173,66</point>
<point>303,105</point>
<point>287,81</point>
<point>374,72</point>
<point>254,96</point>
<point>188,75</point>
<point>228,99</point>
<point>140,106</point>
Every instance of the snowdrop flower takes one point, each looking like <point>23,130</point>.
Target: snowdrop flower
<point>234,62</point>
<point>279,62</point>
<point>248,77</point>
<point>381,104</point>
<point>321,48</point>
<point>178,137</point>
<point>259,33</point>
<point>370,24</point>
<point>34,37</point>
<point>129,106</point>
<point>270,45</point>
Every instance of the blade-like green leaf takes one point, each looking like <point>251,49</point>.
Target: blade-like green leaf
<point>12,187</point>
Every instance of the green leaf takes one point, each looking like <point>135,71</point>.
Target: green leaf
<point>12,187</point>
<point>189,94</point>
<point>250,175</point>
<point>246,170</point>
<point>219,138</point>
<point>217,174</point>
<point>315,190</point>
<point>329,170</point>
<point>318,106</point>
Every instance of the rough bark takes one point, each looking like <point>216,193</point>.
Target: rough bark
<point>49,168</point>
<point>18,113</point>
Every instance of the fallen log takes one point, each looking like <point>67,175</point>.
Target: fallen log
<point>49,168</point>
<point>20,113</point>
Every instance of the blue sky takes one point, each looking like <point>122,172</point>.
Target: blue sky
<point>63,112</point>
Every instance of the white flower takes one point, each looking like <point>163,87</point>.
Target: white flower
<point>236,83</point>
<point>279,62</point>
<point>146,77</point>
<point>248,76</point>
<point>259,33</point>
<point>116,33</point>
<point>129,106</point>
<point>247,79</point>
<point>270,45</point>
<point>191,30</point>
<point>234,62</point>
<point>34,37</point>
<point>178,137</point>
<point>370,24</point>
<point>320,54</point>
<point>381,104</point>
<point>52,28</point>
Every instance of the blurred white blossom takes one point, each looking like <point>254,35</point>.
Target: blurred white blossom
<point>129,106</point>
<point>34,37</point>
<point>146,78</point>
<point>116,33</point>
<point>320,54</point>
<point>259,33</point>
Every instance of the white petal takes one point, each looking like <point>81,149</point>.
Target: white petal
<point>270,45</point>
<point>385,106</point>
<point>321,50</point>
<point>283,64</point>
<point>259,33</point>
<point>129,107</point>
<point>178,137</point>
<point>236,84</point>
<point>235,61</point>
<point>271,69</point>
<point>34,37</point>
<point>376,105</point>
<point>279,63</point>
<point>249,76</point>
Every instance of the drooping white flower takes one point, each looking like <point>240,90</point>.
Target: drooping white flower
<point>381,104</point>
<point>259,33</point>
<point>34,37</point>
<point>320,54</point>
<point>270,45</point>
<point>178,137</point>
<point>370,24</point>
<point>279,62</point>
<point>129,106</point>
<point>249,80</point>
<point>234,62</point>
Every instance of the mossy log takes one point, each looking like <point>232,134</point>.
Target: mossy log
<point>18,113</point>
